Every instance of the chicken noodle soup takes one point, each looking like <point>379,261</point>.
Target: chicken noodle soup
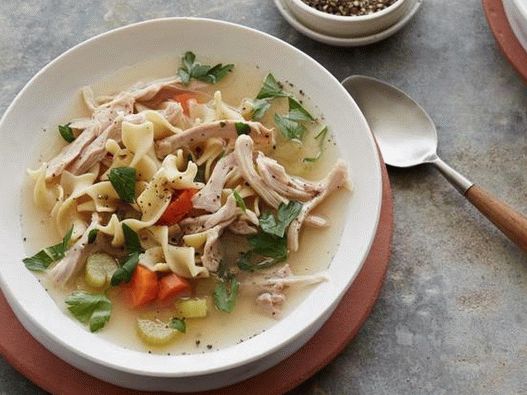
<point>192,211</point>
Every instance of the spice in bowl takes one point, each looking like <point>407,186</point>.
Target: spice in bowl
<point>350,7</point>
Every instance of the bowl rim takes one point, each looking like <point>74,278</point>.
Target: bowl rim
<point>45,335</point>
<point>351,18</point>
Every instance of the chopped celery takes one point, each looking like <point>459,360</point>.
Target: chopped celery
<point>192,308</point>
<point>155,332</point>
<point>99,269</point>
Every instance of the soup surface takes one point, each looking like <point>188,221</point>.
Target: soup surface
<point>219,328</point>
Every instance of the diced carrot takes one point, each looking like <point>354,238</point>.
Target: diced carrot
<point>143,287</point>
<point>183,99</point>
<point>172,285</point>
<point>178,208</point>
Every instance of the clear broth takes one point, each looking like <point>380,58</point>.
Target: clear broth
<point>218,329</point>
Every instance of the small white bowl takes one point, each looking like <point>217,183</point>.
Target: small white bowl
<point>347,41</point>
<point>348,26</point>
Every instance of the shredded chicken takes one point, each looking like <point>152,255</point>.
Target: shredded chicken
<point>316,221</point>
<point>272,287</point>
<point>75,257</point>
<point>275,177</point>
<point>243,151</point>
<point>173,113</point>
<point>83,150</point>
<point>68,154</point>
<point>157,92</point>
<point>209,197</point>
<point>271,302</point>
<point>242,227</point>
<point>337,178</point>
<point>226,213</point>
<point>212,255</point>
<point>226,130</point>
<point>96,150</point>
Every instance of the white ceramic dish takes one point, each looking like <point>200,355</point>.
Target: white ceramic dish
<point>85,64</point>
<point>516,11</point>
<point>414,6</point>
<point>348,26</point>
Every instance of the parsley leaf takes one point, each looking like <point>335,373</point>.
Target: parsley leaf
<point>209,74</point>
<point>188,60</point>
<point>129,263</point>
<point>131,240</point>
<point>271,88</point>
<point>123,181</point>
<point>260,107</point>
<point>320,136</point>
<point>225,295</point>
<point>92,236</point>
<point>242,128</point>
<point>217,73</point>
<point>239,201</point>
<point>224,272</point>
<point>269,245</point>
<point>178,324</point>
<point>285,215</point>
<point>245,262</point>
<point>297,112</point>
<point>42,259</point>
<point>93,309</point>
<point>270,242</point>
<point>184,76</point>
<point>291,129</point>
<point>66,132</point>
<point>124,273</point>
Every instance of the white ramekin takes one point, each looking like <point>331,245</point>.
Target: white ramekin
<point>348,26</point>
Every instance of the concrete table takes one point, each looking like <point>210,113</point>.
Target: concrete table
<point>452,317</point>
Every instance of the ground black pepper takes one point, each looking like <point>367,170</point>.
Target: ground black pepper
<point>349,7</point>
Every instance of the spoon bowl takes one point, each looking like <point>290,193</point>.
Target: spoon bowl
<point>407,137</point>
<point>405,133</point>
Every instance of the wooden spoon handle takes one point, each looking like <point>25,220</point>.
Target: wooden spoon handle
<point>509,221</point>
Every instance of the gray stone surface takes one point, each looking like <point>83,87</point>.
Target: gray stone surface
<point>452,315</point>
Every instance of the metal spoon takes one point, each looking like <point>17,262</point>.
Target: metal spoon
<point>407,137</point>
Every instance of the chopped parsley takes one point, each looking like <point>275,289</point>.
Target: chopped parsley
<point>297,112</point>
<point>124,273</point>
<point>246,263</point>
<point>271,242</point>
<point>271,88</point>
<point>123,181</point>
<point>320,136</point>
<point>285,215</point>
<point>289,128</point>
<point>178,324</point>
<point>131,240</point>
<point>66,132</point>
<point>92,235</point>
<point>239,201</point>
<point>225,294</point>
<point>129,263</point>
<point>42,259</point>
<point>269,245</point>
<point>259,108</point>
<point>191,69</point>
<point>92,309</point>
<point>242,128</point>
